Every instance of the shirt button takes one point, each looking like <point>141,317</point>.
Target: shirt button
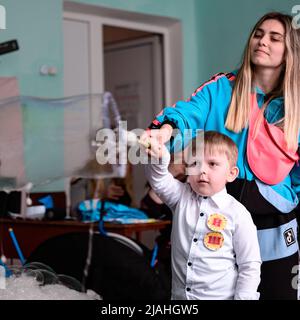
<point>188,289</point>
<point>195,240</point>
<point>201,214</point>
<point>189,264</point>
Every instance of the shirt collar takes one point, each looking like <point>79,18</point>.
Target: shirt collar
<point>261,98</point>
<point>220,198</point>
<point>258,90</point>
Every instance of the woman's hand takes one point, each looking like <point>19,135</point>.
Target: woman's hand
<point>162,135</point>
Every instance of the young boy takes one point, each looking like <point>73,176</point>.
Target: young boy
<point>215,251</point>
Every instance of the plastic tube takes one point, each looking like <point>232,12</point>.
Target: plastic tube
<point>15,242</point>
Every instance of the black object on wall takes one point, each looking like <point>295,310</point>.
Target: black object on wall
<point>9,46</point>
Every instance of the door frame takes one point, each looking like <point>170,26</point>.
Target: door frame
<point>169,28</point>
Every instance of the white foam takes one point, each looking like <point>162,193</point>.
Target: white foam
<point>25,287</point>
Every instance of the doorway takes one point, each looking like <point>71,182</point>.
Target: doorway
<point>133,73</point>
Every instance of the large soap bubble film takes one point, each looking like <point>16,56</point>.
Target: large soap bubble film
<point>37,281</point>
<point>42,140</point>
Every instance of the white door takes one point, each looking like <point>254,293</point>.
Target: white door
<point>134,75</point>
<point>76,57</point>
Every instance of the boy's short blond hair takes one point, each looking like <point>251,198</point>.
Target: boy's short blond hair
<point>216,142</point>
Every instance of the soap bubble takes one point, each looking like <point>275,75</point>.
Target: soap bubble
<point>37,265</point>
<point>70,282</point>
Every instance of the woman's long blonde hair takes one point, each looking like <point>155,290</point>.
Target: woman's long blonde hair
<point>288,87</point>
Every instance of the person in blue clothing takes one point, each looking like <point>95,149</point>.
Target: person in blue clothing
<point>258,107</point>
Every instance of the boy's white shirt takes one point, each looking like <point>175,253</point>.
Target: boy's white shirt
<point>231,272</point>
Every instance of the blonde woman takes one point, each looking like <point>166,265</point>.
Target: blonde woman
<point>257,106</point>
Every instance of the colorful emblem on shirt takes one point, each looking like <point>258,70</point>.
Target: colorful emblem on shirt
<point>216,222</point>
<point>213,240</point>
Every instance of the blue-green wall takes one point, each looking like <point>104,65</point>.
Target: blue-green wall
<point>214,31</point>
<point>224,29</point>
<point>37,25</point>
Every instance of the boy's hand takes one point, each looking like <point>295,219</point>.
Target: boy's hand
<point>156,149</point>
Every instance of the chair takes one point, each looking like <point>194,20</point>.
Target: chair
<point>118,270</point>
